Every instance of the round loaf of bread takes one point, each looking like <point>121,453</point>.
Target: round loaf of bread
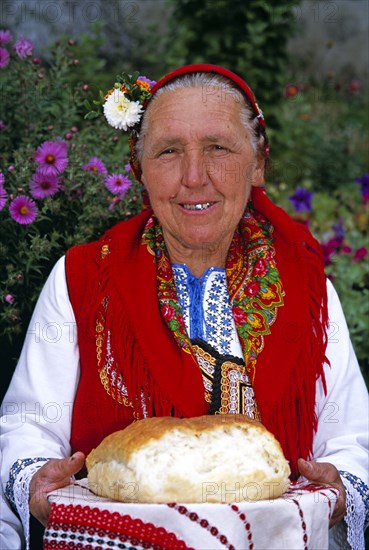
<point>221,458</point>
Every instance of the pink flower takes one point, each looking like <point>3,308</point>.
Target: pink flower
<point>5,37</point>
<point>52,157</point>
<point>23,47</point>
<point>9,298</point>
<point>95,165</point>
<point>115,200</point>
<point>118,184</point>
<point>328,251</point>
<point>360,253</point>
<point>23,210</point>
<point>260,267</point>
<point>335,243</point>
<point>346,249</point>
<point>4,58</point>
<point>44,185</point>
<point>3,197</point>
<point>354,86</point>
<point>252,288</point>
<point>168,312</point>
<point>239,315</point>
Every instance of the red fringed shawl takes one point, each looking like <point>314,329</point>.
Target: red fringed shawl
<point>113,290</point>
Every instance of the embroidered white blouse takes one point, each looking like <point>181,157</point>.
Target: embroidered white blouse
<point>37,409</point>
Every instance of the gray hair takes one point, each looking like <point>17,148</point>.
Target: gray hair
<point>206,81</point>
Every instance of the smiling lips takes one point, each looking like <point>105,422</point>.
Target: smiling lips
<point>199,206</point>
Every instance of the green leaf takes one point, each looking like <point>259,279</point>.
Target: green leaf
<point>91,115</point>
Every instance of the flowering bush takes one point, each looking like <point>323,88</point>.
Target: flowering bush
<point>63,180</point>
<point>319,174</point>
<point>340,221</point>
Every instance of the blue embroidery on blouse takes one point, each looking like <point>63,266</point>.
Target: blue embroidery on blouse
<point>17,467</point>
<point>361,488</point>
<point>212,321</point>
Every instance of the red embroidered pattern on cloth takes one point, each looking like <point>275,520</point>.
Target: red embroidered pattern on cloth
<point>73,527</point>
<point>204,523</point>
<point>247,525</point>
<point>303,524</point>
<point>299,519</point>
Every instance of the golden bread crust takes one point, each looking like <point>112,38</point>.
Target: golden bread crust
<point>221,458</point>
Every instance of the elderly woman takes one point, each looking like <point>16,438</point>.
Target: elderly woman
<point>212,300</point>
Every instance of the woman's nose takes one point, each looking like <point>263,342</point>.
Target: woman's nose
<point>194,169</point>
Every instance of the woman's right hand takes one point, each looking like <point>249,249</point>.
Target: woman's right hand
<point>56,473</point>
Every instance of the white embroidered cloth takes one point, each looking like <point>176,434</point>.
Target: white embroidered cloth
<point>298,520</point>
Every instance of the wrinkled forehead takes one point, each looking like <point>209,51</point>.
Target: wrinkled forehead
<point>212,104</point>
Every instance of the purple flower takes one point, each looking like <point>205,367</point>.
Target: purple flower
<point>23,47</point>
<point>3,197</point>
<point>117,184</point>
<point>9,298</point>
<point>339,230</point>
<point>115,201</point>
<point>364,187</point>
<point>95,165</point>
<point>2,179</point>
<point>301,200</point>
<point>5,37</point>
<point>147,80</point>
<point>4,58</point>
<point>3,126</point>
<point>23,210</point>
<point>127,167</point>
<point>44,185</point>
<point>52,157</point>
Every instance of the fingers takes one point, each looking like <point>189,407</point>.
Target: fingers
<point>310,470</point>
<point>324,473</point>
<point>63,468</point>
<point>320,472</point>
<point>339,510</point>
<point>56,473</point>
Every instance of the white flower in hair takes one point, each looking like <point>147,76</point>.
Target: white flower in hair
<point>120,112</point>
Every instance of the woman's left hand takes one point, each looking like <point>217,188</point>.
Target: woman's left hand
<point>326,474</point>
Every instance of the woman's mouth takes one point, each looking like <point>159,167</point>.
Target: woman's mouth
<point>198,206</point>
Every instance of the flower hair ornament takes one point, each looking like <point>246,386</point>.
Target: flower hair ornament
<point>124,105</point>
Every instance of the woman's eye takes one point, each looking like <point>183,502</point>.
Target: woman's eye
<point>168,151</point>
<point>218,148</point>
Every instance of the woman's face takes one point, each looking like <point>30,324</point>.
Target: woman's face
<point>198,167</point>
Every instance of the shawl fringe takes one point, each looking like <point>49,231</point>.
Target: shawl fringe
<point>108,306</point>
<point>293,417</point>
